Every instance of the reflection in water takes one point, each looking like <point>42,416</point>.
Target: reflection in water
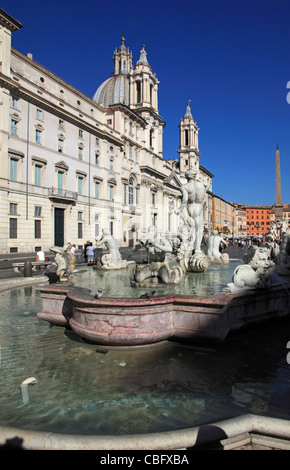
<point>87,390</point>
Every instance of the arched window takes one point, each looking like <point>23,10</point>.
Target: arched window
<point>131,191</point>
<point>124,66</point>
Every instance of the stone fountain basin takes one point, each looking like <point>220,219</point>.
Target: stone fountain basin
<point>135,321</point>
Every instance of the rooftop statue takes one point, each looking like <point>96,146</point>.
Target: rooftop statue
<point>157,270</point>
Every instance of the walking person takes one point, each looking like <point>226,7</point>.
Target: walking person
<point>90,254</point>
<point>85,251</point>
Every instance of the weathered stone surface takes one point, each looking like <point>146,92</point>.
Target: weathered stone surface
<point>139,321</point>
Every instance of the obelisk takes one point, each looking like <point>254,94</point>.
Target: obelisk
<point>278,205</point>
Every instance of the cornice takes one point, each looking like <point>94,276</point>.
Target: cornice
<point>8,22</point>
<point>53,76</point>
<point>40,101</point>
<point>129,112</point>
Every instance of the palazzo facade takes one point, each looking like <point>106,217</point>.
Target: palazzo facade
<point>73,165</point>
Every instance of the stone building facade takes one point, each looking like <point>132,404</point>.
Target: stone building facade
<point>72,165</point>
<point>224,216</point>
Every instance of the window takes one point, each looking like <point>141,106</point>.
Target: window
<point>14,127</point>
<point>137,198</point>
<point>97,226</point>
<point>131,152</point>
<point>60,145</point>
<point>39,114</point>
<point>12,208</point>
<point>153,199</point>
<point>37,229</point>
<point>109,122</point>
<point>12,228</point>
<point>81,134</point>
<point>111,164</point>
<point>80,230</point>
<point>61,124</point>
<point>37,175</point>
<point>80,185</point>
<point>138,84</point>
<point>186,136</point>
<point>151,138</point>
<point>80,216</point>
<point>97,159</point>
<point>97,141</point>
<point>37,211</point>
<point>80,152</point>
<point>59,181</point>
<point>13,169</point>
<point>111,193</point>
<point>97,190</point>
<point>15,102</point>
<point>125,194</point>
<point>131,191</point>
<point>38,135</point>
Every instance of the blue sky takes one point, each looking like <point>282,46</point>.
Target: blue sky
<point>230,58</point>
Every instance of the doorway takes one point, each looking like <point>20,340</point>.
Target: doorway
<point>58,226</point>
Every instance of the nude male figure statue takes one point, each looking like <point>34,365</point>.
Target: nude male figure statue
<point>193,197</point>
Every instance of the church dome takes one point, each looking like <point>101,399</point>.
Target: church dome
<point>112,91</point>
<point>116,88</point>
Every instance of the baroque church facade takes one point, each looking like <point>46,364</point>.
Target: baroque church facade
<point>73,165</point>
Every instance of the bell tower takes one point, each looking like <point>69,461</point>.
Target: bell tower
<point>143,85</point>
<point>188,142</point>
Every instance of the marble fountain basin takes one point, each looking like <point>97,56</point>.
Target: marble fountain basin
<point>131,322</point>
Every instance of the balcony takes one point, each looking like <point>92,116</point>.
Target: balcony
<point>63,194</point>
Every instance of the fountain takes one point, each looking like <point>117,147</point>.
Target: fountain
<point>165,348</point>
<point>256,294</point>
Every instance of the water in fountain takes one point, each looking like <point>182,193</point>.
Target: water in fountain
<point>118,283</point>
<point>82,389</point>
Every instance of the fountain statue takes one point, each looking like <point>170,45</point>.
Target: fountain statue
<point>259,272</point>
<point>113,259</point>
<point>157,270</point>
<point>65,261</point>
<point>283,261</point>
<point>190,254</point>
<point>213,249</point>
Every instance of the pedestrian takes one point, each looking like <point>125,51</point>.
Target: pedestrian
<point>73,249</point>
<point>40,256</point>
<point>90,254</point>
<point>85,250</point>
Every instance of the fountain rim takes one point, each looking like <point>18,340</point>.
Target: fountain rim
<point>232,430</point>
